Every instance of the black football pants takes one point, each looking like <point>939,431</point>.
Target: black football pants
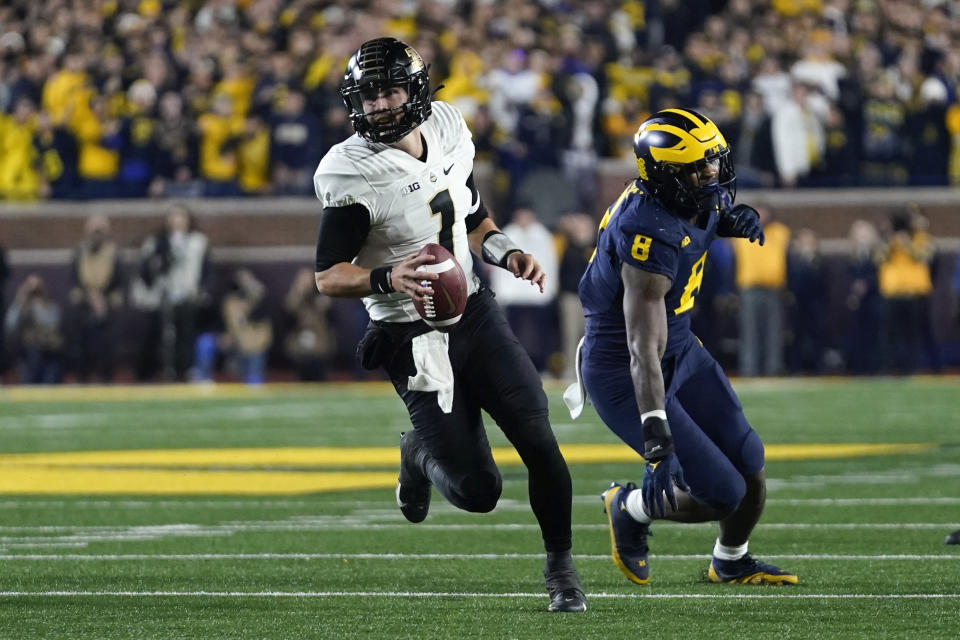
<point>492,372</point>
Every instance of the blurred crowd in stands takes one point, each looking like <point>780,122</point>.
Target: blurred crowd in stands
<point>220,98</point>
<point>763,312</point>
<point>184,325</point>
<point>178,98</point>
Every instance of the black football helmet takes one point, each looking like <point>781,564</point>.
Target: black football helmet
<point>377,65</point>
<point>674,143</point>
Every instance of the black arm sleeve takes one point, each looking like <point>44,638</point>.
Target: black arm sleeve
<point>477,209</point>
<point>343,231</point>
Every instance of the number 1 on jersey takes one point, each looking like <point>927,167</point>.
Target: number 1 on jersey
<point>442,205</point>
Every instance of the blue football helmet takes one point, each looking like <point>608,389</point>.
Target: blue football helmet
<point>673,144</point>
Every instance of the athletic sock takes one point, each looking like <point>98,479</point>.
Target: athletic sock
<point>724,552</point>
<point>635,508</point>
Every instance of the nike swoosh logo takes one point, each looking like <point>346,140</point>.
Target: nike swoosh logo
<point>447,170</point>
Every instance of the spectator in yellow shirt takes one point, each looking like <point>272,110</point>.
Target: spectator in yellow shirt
<point>98,135</point>
<point>253,154</point>
<point>220,131</point>
<point>761,277</point>
<point>62,89</point>
<point>18,157</point>
<point>905,285</point>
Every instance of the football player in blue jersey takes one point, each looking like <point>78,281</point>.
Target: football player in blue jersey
<point>649,377</point>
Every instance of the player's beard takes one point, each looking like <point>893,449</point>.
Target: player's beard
<point>386,117</point>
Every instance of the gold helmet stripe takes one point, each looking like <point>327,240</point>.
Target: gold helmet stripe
<point>691,148</point>
<point>704,129</point>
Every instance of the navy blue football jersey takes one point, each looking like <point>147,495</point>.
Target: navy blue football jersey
<point>636,230</point>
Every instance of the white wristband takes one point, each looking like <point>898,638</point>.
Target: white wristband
<point>656,413</point>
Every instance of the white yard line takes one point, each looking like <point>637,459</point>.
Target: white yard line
<point>433,556</point>
<point>358,506</point>
<point>345,523</point>
<point>233,413</point>
<point>856,502</point>
<point>72,536</point>
<point>739,595</point>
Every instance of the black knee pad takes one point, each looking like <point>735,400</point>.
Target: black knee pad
<point>480,491</point>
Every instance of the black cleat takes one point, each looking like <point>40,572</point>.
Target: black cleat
<point>953,538</point>
<point>569,600</point>
<point>413,487</point>
<point>563,584</point>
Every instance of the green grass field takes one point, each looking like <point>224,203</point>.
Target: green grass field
<point>222,512</point>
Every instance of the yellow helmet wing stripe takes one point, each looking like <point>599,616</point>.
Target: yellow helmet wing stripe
<point>705,130</point>
<point>692,146</point>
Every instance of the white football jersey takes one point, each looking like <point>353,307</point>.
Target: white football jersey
<point>411,203</point>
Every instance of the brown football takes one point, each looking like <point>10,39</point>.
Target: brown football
<point>443,309</point>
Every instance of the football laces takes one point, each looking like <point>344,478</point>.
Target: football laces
<point>429,309</point>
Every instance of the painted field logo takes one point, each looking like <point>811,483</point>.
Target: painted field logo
<point>295,470</point>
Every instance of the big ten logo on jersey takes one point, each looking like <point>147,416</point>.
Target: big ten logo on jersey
<point>410,188</point>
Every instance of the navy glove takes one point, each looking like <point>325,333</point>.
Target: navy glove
<point>659,478</point>
<point>663,470</point>
<point>742,221</point>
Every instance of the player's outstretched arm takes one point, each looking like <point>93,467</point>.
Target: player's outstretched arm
<point>645,314</point>
<point>487,241</point>
<point>644,310</point>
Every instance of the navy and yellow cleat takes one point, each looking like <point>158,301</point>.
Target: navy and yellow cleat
<point>748,570</point>
<point>413,487</point>
<point>628,538</point>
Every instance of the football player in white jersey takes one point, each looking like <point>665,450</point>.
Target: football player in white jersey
<point>403,181</point>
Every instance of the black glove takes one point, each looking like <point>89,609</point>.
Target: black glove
<point>742,221</point>
<point>663,470</point>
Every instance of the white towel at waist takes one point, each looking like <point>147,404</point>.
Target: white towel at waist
<point>575,397</point>
<point>434,373</point>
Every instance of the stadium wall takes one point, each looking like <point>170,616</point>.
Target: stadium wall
<point>276,236</point>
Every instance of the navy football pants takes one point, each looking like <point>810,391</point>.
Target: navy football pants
<point>714,442</point>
